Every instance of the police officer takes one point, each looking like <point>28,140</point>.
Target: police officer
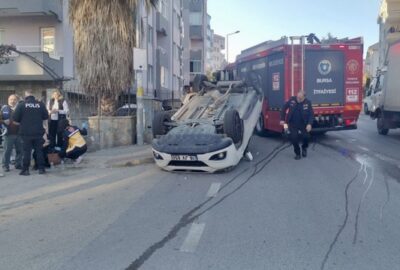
<point>297,116</point>
<point>31,115</point>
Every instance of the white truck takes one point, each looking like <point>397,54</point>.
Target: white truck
<point>386,94</point>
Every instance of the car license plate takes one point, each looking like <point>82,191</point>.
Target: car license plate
<point>184,158</point>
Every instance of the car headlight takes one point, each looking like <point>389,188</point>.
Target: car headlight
<point>157,156</point>
<point>219,156</point>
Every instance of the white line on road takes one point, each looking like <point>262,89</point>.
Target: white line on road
<point>387,159</point>
<point>213,191</point>
<point>193,238</point>
<point>364,148</point>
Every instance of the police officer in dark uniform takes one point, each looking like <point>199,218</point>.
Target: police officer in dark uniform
<point>297,117</point>
<point>31,115</point>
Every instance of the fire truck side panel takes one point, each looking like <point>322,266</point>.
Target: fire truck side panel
<point>353,84</point>
<point>324,77</point>
<point>275,90</point>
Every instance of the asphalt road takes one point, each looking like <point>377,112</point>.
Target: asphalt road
<point>337,209</point>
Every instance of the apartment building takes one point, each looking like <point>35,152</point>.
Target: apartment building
<point>389,27</point>
<point>39,30</point>
<point>195,38</point>
<point>372,61</point>
<point>218,60</point>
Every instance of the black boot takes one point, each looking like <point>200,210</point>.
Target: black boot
<point>304,152</point>
<point>42,171</point>
<point>297,157</point>
<point>24,172</point>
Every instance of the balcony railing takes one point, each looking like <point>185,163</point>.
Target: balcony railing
<point>35,49</point>
<point>32,7</point>
<point>32,65</point>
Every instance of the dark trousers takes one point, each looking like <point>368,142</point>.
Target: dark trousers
<point>29,144</point>
<point>56,137</point>
<point>298,134</point>
<point>45,151</point>
<point>77,152</point>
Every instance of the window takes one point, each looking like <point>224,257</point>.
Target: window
<point>150,74</point>
<point>164,77</point>
<point>379,84</point>
<point>195,66</point>
<point>150,34</point>
<point>162,8</point>
<point>48,40</point>
<point>2,36</point>
<point>196,18</point>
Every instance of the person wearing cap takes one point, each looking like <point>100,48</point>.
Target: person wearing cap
<point>297,117</point>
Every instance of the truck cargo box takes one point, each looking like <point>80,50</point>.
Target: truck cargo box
<point>391,93</point>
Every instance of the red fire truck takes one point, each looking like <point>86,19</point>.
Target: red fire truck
<point>331,73</point>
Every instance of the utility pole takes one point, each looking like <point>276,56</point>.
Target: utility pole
<point>139,90</point>
<point>140,108</point>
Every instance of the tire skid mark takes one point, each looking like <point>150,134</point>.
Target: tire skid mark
<point>190,216</point>
<point>372,178</point>
<point>339,232</point>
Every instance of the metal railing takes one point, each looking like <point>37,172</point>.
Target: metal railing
<point>34,48</point>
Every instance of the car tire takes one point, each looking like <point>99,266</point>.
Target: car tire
<point>260,128</point>
<point>380,124</point>
<point>366,111</point>
<point>159,123</point>
<point>233,126</point>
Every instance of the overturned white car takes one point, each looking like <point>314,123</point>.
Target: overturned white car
<point>212,129</point>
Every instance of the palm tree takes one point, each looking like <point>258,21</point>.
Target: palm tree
<point>104,37</point>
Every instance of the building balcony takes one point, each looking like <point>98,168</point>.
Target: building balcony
<point>196,32</point>
<point>162,24</point>
<point>12,8</point>
<point>393,37</point>
<point>23,67</point>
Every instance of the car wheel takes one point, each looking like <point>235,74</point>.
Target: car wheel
<point>366,111</point>
<point>260,129</point>
<point>159,123</point>
<point>233,126</point>
<point>380,123</point>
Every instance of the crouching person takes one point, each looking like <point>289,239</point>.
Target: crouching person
<point>74,145</point>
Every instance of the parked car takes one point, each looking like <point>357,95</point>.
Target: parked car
<point>126,110</point>
<point>211,131</point>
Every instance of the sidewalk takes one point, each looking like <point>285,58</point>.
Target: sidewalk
<point>125,156</point>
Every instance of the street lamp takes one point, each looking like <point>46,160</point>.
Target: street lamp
<point>227,44</point>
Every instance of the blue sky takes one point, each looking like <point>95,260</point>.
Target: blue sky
<point>261,20</point>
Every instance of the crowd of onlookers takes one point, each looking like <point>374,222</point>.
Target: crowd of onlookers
<point>33,130</point>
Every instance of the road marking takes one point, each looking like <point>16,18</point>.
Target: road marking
<point>364,148</point>
<point>213,191</point>
<point>193,238</point>
<point>387,159</point>
<point>52,188</point>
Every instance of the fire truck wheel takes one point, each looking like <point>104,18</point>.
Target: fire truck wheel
<point>233,126</point>
<point>159,123</point>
